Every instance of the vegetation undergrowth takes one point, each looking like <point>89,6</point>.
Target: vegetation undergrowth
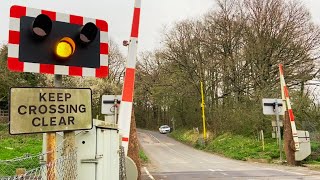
<point>243,148</point>
<point>143,157</point>
<point>314,158</point>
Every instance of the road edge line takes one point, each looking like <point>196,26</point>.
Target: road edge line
<point>150,176</point>
<point>155,138</point>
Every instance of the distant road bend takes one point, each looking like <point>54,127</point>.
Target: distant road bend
<point>172,160</point>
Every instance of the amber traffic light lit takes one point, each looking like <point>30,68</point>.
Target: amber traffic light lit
<point>65,48</point>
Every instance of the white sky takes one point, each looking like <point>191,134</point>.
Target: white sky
<point>118,13</point>
<point>313,6</point>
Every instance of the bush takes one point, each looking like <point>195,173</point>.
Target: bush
<point>185,136</point>
<point>143,157</point>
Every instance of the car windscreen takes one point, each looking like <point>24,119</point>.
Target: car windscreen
<point>164,127</point>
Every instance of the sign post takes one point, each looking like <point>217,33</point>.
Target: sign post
<point>109,107</point>
<point>274,107</point>
<point>51,138</point>
<point>203,113</point>
<point>68,140</point>
<point>278,127</point>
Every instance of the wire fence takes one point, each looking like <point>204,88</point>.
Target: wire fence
<point>62,168</point>
<point>122,164</point>
<point>21,157</point>
<point>17,151</point>
<point>10,167</point>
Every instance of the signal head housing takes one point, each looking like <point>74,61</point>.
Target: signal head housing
<point>70,45</point>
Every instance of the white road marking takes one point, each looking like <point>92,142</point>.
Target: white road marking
<point>279,170</point>
<point>224,173</point>
<point>298,173</point>
<point>155,138</point>
<point>288,172</point>
<point>219,170</point>
<point>183,155</point>
<point>150,176</point>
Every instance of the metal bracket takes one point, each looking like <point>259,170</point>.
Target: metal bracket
<point>89,161</point>
<point>98,156</point>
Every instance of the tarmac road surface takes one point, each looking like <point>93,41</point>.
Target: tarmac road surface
<point>172,160</point>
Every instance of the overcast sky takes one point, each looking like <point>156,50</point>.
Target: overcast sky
<point>118,13</point>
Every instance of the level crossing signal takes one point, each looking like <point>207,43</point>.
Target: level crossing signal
<point>42,41</point>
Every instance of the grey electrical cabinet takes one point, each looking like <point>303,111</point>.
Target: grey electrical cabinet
<point>97,152</point>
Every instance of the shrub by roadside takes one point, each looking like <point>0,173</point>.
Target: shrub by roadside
<point>143,157</point>
<point>185,136</point>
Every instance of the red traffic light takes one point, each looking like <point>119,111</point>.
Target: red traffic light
<point>41,25</point>
<point>88,33</point>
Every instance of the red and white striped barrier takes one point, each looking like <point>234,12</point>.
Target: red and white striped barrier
<point>125,110</point>
<point>14,64</point>
<point>286,98</point>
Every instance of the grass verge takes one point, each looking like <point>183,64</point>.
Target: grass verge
<point>243,148</point>
<point>17,151</point>
<point>13,147</point>
<point>240,147</point>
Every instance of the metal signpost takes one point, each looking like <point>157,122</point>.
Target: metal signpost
<point>278,127</point>
<point>203,113</point>
<point>110,108</point>
<point>274,107</point>
<point>109,103</point>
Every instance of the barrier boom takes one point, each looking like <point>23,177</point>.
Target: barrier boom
<point>125,110</point>
<point>286,99</point>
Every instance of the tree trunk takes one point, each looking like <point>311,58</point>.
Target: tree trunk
<point>289,148</point>
<point>133,149</point>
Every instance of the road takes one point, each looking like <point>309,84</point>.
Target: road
<point>172,160</point>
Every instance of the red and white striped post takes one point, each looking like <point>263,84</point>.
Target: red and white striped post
<point>125,110</point>
<point>285,96</point>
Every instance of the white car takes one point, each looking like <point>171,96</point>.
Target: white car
<point>164,129</point>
